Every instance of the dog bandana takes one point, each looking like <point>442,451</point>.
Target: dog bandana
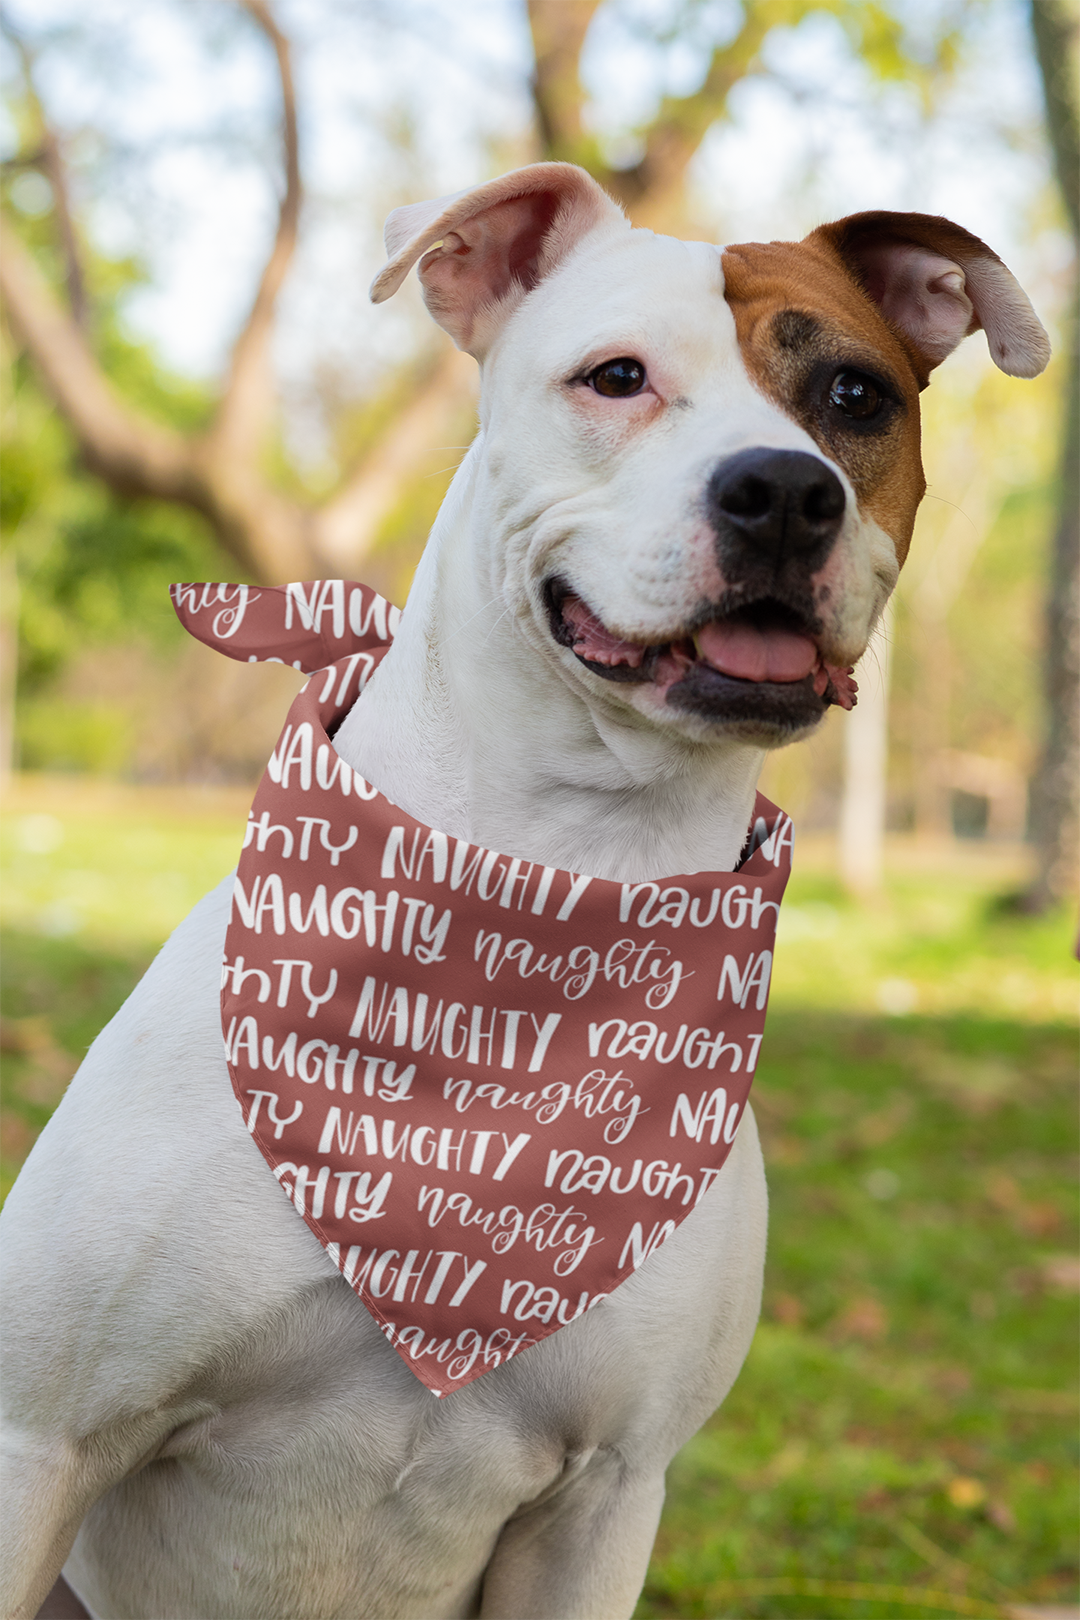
<point>491,1088</point>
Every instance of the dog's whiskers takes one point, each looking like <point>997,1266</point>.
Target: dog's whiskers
<point>490,603</point>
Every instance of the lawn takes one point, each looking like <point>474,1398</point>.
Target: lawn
<point>902,1440</point>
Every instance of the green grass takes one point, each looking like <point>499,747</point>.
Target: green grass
<point>918,1333</point>
<point>906,1422</point>
<point>902,1440</point>
<point>95,877</point>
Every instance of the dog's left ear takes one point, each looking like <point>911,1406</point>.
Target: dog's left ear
<point>937,283</point>
<point>485,248</point>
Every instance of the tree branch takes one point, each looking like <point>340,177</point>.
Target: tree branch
<point>240,425</point>
<point>558,33</point>
<point>649,188</point>
<point>134,456</point>
<point>53,164</point>
<point>682,123</point>
<point>217,474</point>
<point>346,527</point>
<point>264,532</point>
<point>50,160</point>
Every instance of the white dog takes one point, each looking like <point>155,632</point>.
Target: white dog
<point>692,489</point>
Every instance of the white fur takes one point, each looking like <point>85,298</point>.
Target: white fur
<point>187,1377</point>
<point>537,756</point>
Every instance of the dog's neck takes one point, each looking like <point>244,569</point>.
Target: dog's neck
<point>471,727</point>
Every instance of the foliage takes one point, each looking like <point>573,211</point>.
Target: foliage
<point>89,569</point>
<point>93,570</point>
<point>728,45</point>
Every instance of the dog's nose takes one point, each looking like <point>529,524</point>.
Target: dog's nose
<point>776,505</point>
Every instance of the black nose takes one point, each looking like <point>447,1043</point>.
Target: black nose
<point>777,505</point>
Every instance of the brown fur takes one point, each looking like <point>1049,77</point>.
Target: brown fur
<point>801,316</point>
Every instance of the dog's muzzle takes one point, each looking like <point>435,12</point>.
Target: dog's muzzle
<point>752,660</point>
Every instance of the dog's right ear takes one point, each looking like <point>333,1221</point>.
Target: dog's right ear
<point>485,248</point>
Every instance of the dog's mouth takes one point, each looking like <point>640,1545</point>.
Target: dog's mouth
<point>760,662</point>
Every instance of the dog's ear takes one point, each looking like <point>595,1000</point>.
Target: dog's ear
<point>486,247</point>
<point>937,283</point>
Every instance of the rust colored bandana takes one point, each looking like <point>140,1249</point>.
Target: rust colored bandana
<point>491,1088</point>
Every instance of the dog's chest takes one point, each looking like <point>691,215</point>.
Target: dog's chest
<point>327,1468</point>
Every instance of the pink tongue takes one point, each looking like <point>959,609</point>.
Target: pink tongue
<point>756,655</point>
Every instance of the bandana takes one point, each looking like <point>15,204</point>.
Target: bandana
<point>491,1088</point>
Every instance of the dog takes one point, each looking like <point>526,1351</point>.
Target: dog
<point>693,485</point>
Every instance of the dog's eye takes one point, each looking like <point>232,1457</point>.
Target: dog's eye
<point>855,395</point>
<point>618,378</point>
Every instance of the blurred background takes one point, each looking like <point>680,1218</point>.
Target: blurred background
<point>195,387</point>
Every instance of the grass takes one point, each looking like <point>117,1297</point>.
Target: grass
<point>95,877</point>
<point>902,1440</point>
<point>907,1414</point>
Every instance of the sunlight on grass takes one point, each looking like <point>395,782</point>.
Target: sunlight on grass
<point>119,866</point>
<point>942,938</point>
<point>901,1441</point>
<point>95,876</point>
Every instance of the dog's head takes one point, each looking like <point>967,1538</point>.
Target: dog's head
<point>699,468</point>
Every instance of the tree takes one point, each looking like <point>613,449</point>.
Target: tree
<point>1055,789</point>
<point>219,471</point>
<point>651,188</point>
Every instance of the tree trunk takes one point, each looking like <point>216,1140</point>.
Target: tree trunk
<point>866,764</point>
<point>933,800</point>
<point>940,577</point>
<point>9,658</point>
<point>346,528</point>
<point>1055,788</point>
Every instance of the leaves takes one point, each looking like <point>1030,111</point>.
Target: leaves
<point>879,37</point>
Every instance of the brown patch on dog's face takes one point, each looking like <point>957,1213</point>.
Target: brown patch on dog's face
<point>813,342</point>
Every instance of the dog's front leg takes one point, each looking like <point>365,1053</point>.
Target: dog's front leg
<point>49,1485</point>
<point>580,1554</point>
<point>43,1508</point>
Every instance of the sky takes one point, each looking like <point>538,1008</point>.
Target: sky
<point>170,111</point>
